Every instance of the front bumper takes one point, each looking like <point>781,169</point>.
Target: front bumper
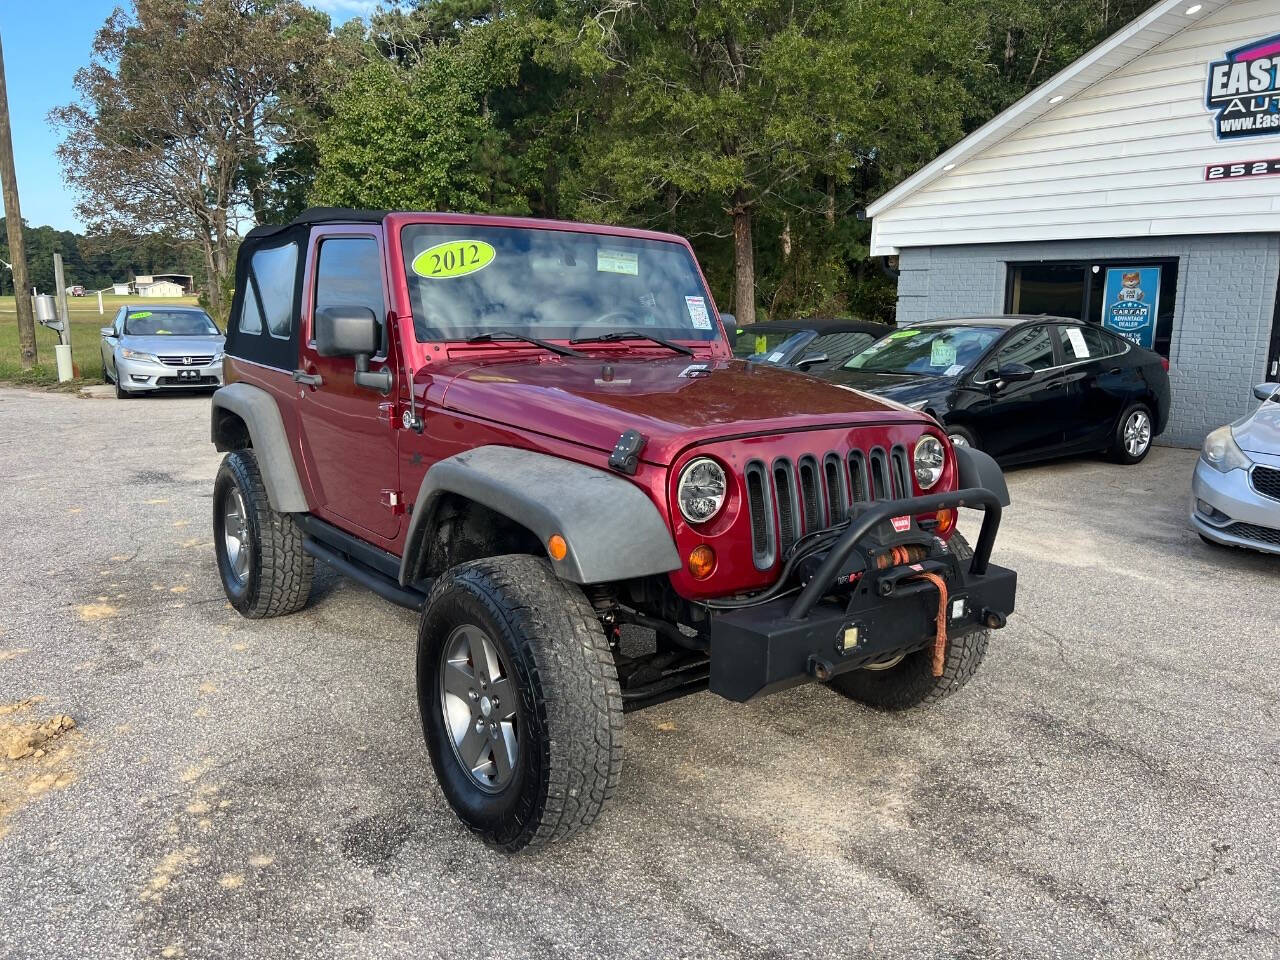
<point>820,634</point>
<point>1238,515</point>
<point>143,375</point>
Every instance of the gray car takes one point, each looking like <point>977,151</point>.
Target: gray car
<point>1236,485</point>
<point>162,348</point>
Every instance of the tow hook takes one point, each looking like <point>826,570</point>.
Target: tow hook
<point>993,619</point>
<point>819,669</point>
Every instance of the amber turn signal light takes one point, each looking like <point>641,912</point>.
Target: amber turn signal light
<point>946,520</point>
<point>557,547</point>
<point>702,561</point>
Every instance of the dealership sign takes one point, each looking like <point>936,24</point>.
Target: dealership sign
<point>1243,91</point>
<point>1129,303</point>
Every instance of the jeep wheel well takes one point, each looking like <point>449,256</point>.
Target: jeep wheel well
<point>461,530</point>
<point>230,432</point>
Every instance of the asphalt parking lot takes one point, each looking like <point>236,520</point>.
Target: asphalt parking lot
<point>1109,784</point>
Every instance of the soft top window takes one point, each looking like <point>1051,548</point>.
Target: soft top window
<point>467,280</point>
<point>176,323</point>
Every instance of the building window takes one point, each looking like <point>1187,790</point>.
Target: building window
<point>1134,298</point>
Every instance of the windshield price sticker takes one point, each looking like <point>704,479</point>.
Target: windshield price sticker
<point>901,334</point>
<point>141,315</point>
<point>453,258</point>
<point>618,261</point>
<point>698,312</point>
<point>954,370</point>
<point>941,354</point>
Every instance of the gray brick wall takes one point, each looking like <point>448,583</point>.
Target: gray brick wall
<point>1222,313</point>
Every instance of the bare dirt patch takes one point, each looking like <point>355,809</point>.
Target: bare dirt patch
<point>35,755</point>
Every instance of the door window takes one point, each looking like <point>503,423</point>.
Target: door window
<point>1101,344</point>
<point>1031,346</point>
<point>274,269</point>
<point>839,346</point>
<point>349,274</point>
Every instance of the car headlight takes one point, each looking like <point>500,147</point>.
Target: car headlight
<point>701,490</point>
<point>1221,451</point>
<point>929,460</point>
<point>128,354</point>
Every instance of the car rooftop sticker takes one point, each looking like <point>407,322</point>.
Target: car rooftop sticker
<point>453,258</point>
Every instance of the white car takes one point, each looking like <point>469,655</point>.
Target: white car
<point>162,348</point>
<point>1236,485</point>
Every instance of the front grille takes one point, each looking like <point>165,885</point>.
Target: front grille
<point>1266,480</point>
<point>787,500</point>
<point>1252,531</point>
<point>188,361</point>
<point>186,382</point>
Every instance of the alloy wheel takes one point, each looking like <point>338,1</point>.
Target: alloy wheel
<point>1137,433</point>
<point>957,440</point>
<point>478,701</point>
<point>235,534</point>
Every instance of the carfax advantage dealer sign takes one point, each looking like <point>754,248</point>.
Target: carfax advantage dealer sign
<point>1244,91</point>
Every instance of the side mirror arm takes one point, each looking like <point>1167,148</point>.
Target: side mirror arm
<point>379,380</point>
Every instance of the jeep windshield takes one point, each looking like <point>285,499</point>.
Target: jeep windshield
<point>937,351</point>
<point>466,281</point>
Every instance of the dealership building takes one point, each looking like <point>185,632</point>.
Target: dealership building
<point>1139,189</point>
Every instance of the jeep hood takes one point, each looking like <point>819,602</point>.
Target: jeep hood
<point>675,402</point>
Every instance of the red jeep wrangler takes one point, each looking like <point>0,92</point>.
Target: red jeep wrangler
<point>535,433</point>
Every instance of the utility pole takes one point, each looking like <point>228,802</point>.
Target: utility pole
<point>13,221</point>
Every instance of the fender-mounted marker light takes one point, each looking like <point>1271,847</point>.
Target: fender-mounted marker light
<point>702,561</point>
<point>946,520</point>
<point>557,547</point>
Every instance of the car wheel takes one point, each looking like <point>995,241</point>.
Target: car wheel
<point>1132,440</point>
<point>121,393</point>
<point>961,437</point>
<point>264,570</point>
<point>908,681</point>
<point>519,700</point>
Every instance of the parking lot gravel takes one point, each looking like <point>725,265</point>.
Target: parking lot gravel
<point>1108,785</point>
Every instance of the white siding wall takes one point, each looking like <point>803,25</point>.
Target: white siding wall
<point>1124,157</point>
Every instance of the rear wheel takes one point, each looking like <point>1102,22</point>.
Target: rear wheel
<point>1132,440</point>
<point>519,701</point>
<point>908,681</point>
<point>264,570</point>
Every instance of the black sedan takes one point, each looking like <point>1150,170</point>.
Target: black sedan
<point>807,343</point>
<point>1021,388</point>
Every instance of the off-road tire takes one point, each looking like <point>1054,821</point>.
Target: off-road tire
<point>911,682</point>
<point>1118,452</point>
<point>569,711</point>
<point>279,574</point>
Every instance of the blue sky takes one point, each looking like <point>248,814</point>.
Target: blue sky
<point>45,42</point>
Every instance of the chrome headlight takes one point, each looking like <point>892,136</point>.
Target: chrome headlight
<point>128,354</point>
<point>701,490</point>
<point>1221,451</point>
<point>929,460</point>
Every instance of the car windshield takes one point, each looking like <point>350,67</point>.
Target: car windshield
<point>770,345</point>
<point>169,323</point>
<point>940,351</point>
<point>467,280</point>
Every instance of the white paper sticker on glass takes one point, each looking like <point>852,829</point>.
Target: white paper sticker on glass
<point>617,261</point>
<point>698,312</point>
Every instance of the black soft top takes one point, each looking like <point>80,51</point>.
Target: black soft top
<point>313,216</point>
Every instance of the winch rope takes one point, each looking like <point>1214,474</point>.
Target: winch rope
<point>940,636</point>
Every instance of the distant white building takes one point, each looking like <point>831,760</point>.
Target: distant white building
<point>121,289</point>
<point>159,288</point>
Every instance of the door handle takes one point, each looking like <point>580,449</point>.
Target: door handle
<point>1114,370</point>
<point>310,379</point>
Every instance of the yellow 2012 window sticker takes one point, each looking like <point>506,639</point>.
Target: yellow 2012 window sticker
<point>140,315</point>
<point>453,258</point>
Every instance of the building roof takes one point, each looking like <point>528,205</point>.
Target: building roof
<point>1160,22</point>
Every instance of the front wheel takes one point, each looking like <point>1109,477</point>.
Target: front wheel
<point>961,437</point>
<point>908,681</point>
<point>519,699</point>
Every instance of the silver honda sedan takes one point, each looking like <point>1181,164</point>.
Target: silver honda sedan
<point>1236,485</point>
<point>161,348</point>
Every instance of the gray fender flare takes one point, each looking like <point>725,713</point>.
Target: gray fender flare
<point>258,410</point>
<point>978,469</point>
<point>613,530</point>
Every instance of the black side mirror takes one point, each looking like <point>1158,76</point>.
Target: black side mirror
<point>812,359</point>
<point>1266,391</point>
<point>1014,372</point>
<point>352,332</point>
<point>730,327</point>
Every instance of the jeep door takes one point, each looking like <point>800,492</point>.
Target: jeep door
<point>348,441</point>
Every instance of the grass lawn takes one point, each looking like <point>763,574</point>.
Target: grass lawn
<point>85,322</point>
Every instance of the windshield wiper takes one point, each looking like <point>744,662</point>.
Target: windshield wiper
<point>498,335</point>
<point>635,335</point>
